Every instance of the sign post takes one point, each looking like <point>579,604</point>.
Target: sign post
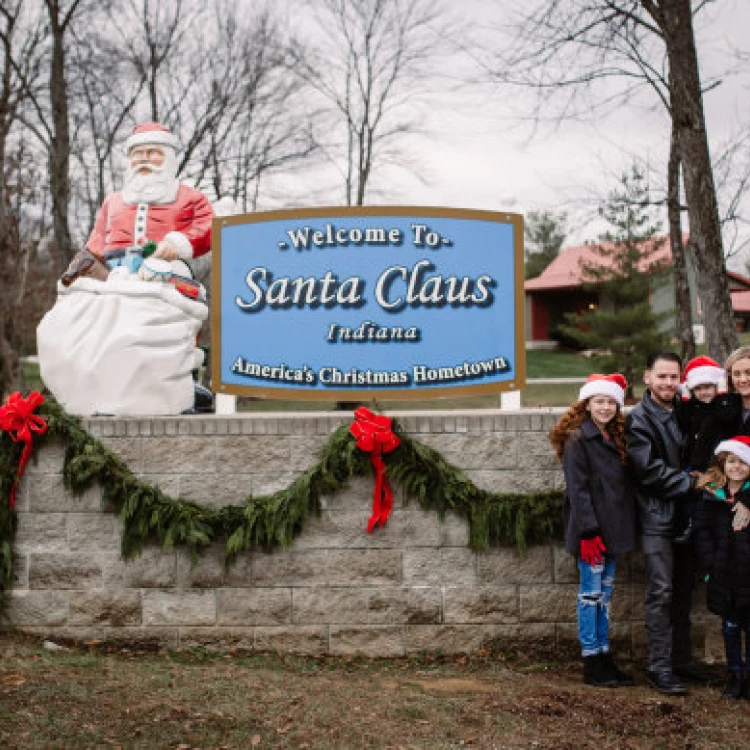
<point>347,304</point>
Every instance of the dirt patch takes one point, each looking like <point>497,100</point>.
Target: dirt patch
<point>91,697</point>
<point>441,685</point>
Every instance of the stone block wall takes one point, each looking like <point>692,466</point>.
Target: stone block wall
<point>413,586</point>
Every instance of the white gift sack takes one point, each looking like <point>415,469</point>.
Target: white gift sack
<point>121,347</point>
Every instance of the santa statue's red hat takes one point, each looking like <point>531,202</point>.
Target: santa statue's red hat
<point>151,133</point>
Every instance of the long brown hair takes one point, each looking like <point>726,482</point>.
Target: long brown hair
<point>574,418</point>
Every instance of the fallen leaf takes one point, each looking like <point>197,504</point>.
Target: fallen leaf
<point>255,741</point>
<point>12,679</point>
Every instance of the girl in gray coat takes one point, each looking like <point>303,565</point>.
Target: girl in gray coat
<point>599,513</point>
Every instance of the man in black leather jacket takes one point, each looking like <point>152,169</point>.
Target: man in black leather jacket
<point>655,456</point>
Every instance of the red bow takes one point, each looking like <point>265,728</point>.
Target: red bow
<point>374,436</point>
<point>17,418</point>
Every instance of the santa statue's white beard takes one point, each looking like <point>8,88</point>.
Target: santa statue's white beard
<point>149,184</point>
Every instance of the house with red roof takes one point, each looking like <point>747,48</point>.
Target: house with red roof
<point>563,288</point>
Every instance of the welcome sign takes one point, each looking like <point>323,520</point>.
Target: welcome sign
<point>365,303</point>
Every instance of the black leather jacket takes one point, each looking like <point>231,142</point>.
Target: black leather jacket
<point>654,456</point>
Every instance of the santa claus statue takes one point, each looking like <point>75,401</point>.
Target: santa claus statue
<point>114,344</point>
<point>153,205</point>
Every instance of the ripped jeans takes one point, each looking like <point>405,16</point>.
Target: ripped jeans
<point>594,597</point>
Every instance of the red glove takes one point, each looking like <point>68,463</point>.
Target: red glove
<point>592,550</point>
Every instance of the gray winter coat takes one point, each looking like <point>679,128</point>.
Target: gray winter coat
<point>654,456</point>
<point>599,498</point>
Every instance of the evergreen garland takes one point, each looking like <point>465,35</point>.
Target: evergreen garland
<point>10,455</point>
<point>268,521</point>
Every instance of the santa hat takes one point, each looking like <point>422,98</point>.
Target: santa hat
<point>151,133</point>
<point>613,386</point>
<point>702,371</point>
<point>738,446</point>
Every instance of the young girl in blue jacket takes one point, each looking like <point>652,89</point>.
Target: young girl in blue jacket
<point>599,513</point>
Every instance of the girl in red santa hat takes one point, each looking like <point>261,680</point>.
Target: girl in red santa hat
<point>722,539</point>
<point>599,513</point>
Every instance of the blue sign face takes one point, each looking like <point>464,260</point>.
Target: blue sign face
<point>364,303</point>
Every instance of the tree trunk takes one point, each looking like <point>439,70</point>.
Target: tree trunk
<point>10,364</point>
<point>59,150</point>
<point>13,265</point>
<point>683,310</point>
<point>675,19</point>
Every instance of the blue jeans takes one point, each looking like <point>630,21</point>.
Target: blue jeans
<point>732,630</point>
<point>594,597</point>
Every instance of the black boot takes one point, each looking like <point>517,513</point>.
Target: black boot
<point>746,685</point>
<point>734,685</point>
<point>595,674</point>
<point>623,679</point>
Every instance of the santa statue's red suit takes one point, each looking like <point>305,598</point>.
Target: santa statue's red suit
<point>153,205</point>
<point>116,342</point>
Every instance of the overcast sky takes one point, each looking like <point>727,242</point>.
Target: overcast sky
<point>478,157</point>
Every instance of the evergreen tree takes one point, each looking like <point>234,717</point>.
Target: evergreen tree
<point>545,233</point>
<point>625,276</point>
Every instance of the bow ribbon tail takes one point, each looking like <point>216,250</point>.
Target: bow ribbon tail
<point>12,495</point>
<point>387,499</point>
<point>382,499</point>
<point>377,494</point>
<point>25,456</point>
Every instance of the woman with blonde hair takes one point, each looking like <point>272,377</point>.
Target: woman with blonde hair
<point>599,513</point>
<point>738,381</point>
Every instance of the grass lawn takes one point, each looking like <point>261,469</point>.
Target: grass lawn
<point>560,364</point>
<point>96,698</point>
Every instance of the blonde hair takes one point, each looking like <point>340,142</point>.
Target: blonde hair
<point>573,419</point>
<point>742,353</point>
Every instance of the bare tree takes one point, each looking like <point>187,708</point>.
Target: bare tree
<point>674,19</point>
<point>103,95</point>
<point>60,17</point>
<point>370,70</point>
<point>544,232</point>
<point>226,93</point>
<point>156,42</point>
<point>564,49</point>
<point>683,305</point>
<point>21,36</point>
<point>732,174</point>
